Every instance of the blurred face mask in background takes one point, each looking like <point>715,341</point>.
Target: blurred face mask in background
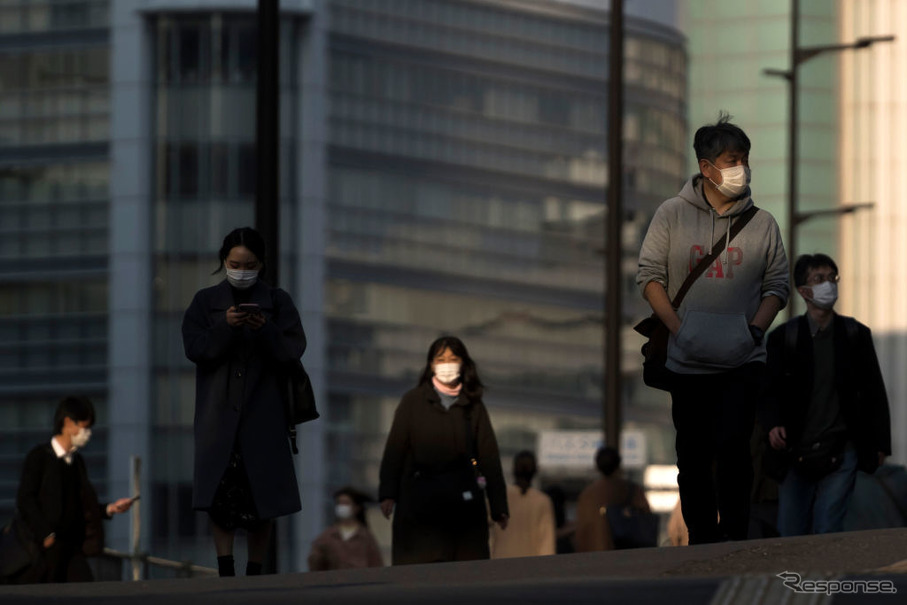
<point>343,511</point>
<point>80,439</point>
<point>825,295</point>
<point>447,372</point>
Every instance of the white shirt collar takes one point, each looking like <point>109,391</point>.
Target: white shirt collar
<point>60,452</point>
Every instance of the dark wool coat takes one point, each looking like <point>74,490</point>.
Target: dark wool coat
<point>424,435</point>
<point>40,499</point>
<point>239,395</point>
<point>858,378</point>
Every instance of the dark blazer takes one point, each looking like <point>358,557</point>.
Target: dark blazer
<point>426,436</point>
<point>40,499</point>
<point>858,378</point>
<point>240,395</point>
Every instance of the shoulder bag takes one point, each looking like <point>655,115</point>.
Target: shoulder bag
<point>300,400</point>
<point>632,527</point>
<point>299,397</point>
<point>655,350</point>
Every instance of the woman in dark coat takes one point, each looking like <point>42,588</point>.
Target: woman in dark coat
<point>242,334</point>
<point>424,457</point>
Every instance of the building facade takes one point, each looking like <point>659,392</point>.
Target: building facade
<point>55,122</point>
<point>730,46</point>
<point>851,122</point>
<point>873,124</point>
<point>443,170</point>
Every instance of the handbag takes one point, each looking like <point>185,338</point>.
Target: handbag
<point>18,549</point>
<point>631,527</point>
<point>655,349</point>
<point>453,492</point>
<point>300,400</point>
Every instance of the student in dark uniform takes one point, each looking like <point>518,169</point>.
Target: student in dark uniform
<point>57,502</point>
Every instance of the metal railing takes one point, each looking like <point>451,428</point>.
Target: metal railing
<point>141,562</point>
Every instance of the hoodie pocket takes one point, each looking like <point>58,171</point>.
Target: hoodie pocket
<point>718,339</point>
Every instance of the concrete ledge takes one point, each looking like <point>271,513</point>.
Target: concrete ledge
<point>731,570</point>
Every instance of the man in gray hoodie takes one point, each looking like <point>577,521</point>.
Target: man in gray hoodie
<point>716,347</point>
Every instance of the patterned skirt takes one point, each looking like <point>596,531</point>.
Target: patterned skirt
<point>233,506</point>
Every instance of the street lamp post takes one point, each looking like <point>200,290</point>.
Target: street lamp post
<point>799,55</point>
<point>613,316</point>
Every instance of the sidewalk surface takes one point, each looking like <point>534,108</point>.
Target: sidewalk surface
<point>731,572</point>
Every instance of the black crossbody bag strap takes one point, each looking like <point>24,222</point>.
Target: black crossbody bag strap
<point>717,249</point>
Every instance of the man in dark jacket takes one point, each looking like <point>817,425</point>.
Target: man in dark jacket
<point>57,502</point>
<point>825,405</point>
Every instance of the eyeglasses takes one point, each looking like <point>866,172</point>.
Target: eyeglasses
<point>821,278</point>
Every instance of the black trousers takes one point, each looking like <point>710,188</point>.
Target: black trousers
<point>714,415</point>
<point>65,563</point>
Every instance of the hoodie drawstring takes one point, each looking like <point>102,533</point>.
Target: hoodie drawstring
<point>727,245</point>
<point>727,238</point>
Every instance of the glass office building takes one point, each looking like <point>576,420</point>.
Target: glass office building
<point>730,46</point>
<point>54,227</point>
<point>443,170</point>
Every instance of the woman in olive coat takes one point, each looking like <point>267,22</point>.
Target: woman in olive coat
<point>428,442</point>
<point>242,334</point>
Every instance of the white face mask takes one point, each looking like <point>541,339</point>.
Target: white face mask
<point>447,372</point>
<point>343,512</point>
<point>241,280</point>
<point>734,180</point>
<point>825,295</point>
<point>80,439</point>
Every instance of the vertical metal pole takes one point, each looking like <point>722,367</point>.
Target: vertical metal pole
<point>793,131</point>
<point>267,118</point>
<point>613,311</point>
<point>267,199</point>
<point>135,542</point>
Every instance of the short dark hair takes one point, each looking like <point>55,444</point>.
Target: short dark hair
<point>472,385</point>
<point>607,459</point>
<point>807,262</point>
<point>244,236</point>
<point>712,140</point>
<point>524,465</point>
<point>359,498</point>
<point>75,407</point>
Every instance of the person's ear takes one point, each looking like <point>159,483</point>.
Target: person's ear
<point>68,424</point>
<point>806,292</point>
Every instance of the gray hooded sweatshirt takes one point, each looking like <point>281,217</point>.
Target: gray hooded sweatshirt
<point>714,333</point>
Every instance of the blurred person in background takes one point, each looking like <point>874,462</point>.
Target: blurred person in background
<point>593,532</point>
<point>566,529</point>
<point>57,503</point>
<point>348,543</point>
<point>242,335</point>
<point>530,531</point>
<point>678,535</point>
<point>440,463</point>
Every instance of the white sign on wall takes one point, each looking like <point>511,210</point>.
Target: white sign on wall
<point>633,449</point>
<point>569,449</point>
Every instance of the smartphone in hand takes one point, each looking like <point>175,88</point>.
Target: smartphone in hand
<point>250,308</point>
